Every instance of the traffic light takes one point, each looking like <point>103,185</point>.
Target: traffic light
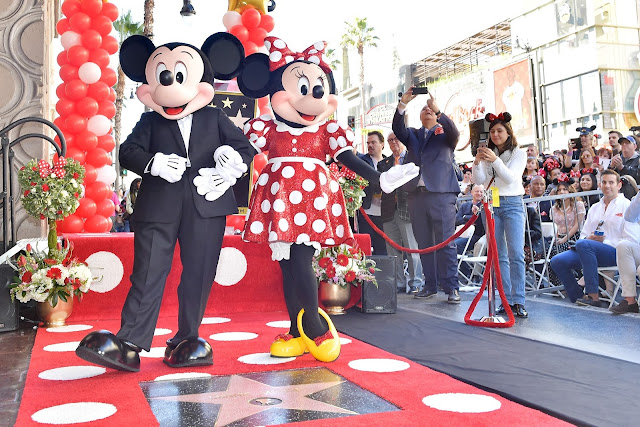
<point>123,172</point>
<point>351,122</point>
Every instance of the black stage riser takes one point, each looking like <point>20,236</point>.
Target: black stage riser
<point>8,309</point>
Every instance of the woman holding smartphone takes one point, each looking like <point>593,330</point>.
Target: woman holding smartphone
<point>500,165</point>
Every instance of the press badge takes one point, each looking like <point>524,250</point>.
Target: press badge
<point>495,197</point>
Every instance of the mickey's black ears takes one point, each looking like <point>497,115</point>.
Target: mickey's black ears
<point>593,127</point>
<point>134,54</point>
<point>225,53</point>
<point>254,79</point>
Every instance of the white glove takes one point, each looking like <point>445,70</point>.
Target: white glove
<point>210,184</point>
<point>398,176</point>
<point>229,164</point>
<point>168,167</point>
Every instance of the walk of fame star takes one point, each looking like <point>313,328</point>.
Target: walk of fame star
<point>227,102</point>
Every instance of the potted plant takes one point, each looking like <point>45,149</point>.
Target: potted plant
<point>352,186</point>
<point>337,269</point>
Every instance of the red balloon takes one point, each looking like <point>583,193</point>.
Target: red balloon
<point>267,23</point>
<point>78,55</point>
<point>105,207</point>
<point>112,95</point>
<point>91,39</point>
<point>251,18</point>
<point>107,143</point>
<point>61,91</point>
<point>250,47</point>
<point>107,109</point>
<point>68,72</point>
<point>87,140</point>
<point>110,44</point>
<point>241,32</point>
<point>90,174</point>
<point>91,7</point>
<point>79,22</point>
<point>70,7</point>
<point>99,91</point>
<point>97,223</point>
<point>87,107</point>
<point>98,158</point>
<point>101,24</point>
<point>87,208</point>
<point>59,121</point>
<point>110,10</point>
<point>62,59</point>
<point>76,90</point>
<point>62,26</point>
<point>75,123</point>
<point>64,107</point>
<point>100,57</point>
<point>259,161</point>
<point>97,191</point>
<point>77,154</point>
<point>71,224</point>
<point>235,221</point>
<point>109,76</point>
<point>257,35</point>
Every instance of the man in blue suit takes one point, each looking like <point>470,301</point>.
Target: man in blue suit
<point>432,195</point>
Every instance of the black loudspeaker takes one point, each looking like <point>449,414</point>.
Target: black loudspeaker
<point>8,309</point>
<point>384,298</point>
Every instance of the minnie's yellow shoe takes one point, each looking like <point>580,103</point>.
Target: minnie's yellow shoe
<point>325,348</point>
<point>286,345</point>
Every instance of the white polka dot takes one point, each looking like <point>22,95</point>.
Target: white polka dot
<point>61,347</point>
<point>278,206</point>
<point>214,320</point>
<point>69,328</point>
<point>267,44</point>
<point>318,45</point>
<point>319,226</point>
<point>323,178</point>
<point>265,206</point>
<point>300,218</point>
<point>462,402</point>
<point>258,125</point>
<point>294,150</point>
<point>320,203</point>
<point>72,413</point>
<point>253,137</point>
<point>342,142</point>
<point>275,166</point>
<point>280,324</point>
<point>161,331</point>
<point>312,51</point>
<point>336,209</point>
<point>332,127</point>
<point>246,127</point>
<point>264,359</point>
<point>314,60</point>
<point>275,187</point>
<point>283,224</point>
<point>109,270</point>
<point>295,197</point>
<point>378,365</point>
<point>333,144</point>
<point>310,166</point>
<point>303,237</point>
<point>273,236</point>
<point>275,56</point>
<point>288,172</point>
<point>233,336</point>
<point>330,242</point>
<point>154,353</point>
<point>350,135</point>
<point>256,227</point>
<point>182,376</point>
<point>71,373</point>
<point>288,59</point>
<point>232,267</point>
<point>279,43</point>
<point>340,231</point>
<point>264,178</point>
<point>344,341</point>
<point>334,186</point>
<point>308,185</point>
<point>261,141</point>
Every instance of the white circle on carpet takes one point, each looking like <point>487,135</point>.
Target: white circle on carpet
<point>73,413</point>
<point>108,270</point>
<point>344,341</point>
<point>233,336</point>
<point>161,331</point>
<point>71,373</point>
<point>155,352</point>
<point>214,320</point>
<point>63,346</point>
<point>182,376</point>
<point>232,267</point>
<point>280,324</point>
<point>462,402</point>
<point>69,328</point>
<point>378,365</point>
<point>264,359</point>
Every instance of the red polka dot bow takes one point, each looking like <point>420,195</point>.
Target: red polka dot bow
<point>58,167</point>
<point>493,117</point>
<point>44,168</point>
<point>280,54</point>
<point>563,177</point>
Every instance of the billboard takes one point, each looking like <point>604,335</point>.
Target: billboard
<point>512,91</point>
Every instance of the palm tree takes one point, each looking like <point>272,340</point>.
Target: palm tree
<point>331,59</point>
<point>148,18</point>
<point>125,27</point>
<point>359,35</point>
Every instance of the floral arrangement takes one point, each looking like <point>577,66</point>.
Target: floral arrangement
<point>344,265</point>
<point>50,275</point>
<point>352,186</point>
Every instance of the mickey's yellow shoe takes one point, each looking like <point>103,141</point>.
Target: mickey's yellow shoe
<point>325,348</point>
<point>286,345</point>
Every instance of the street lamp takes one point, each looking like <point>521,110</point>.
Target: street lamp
<point>187,9</point>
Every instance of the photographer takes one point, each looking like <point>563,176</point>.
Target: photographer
<point>627,162</point>
<point>575,147</point>
<point>500,165</point>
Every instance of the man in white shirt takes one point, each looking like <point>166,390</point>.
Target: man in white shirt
<point>604,228</point>
<point>628,257</point>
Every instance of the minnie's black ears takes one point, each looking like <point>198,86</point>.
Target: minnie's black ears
<point>225,53</point>
<point>254,79</point>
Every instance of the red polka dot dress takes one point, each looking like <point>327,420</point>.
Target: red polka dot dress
<point>295,199</point>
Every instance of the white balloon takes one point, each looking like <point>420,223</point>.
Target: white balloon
<point>89,72</point>
<point>69,38</point>
<point>231,19</point>
<point>106,174</point>
<point>99,125</point>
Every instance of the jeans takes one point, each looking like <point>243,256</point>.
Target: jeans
<point>628,260</point>
<point>509,230</point>
<point>588,255</point>
<point>401,232</point>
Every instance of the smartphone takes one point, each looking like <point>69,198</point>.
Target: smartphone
<point>577,143</point>
<point>483,143</point>
<point>420,90</point>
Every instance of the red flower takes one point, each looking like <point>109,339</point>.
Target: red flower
<point>75,175</point>
<point>42,216</point>
<point>59,212</point>
<point>33,184</point>
<point>45,187</point>
<point>34,168</point>
<point>22,168</point>
<point>324,262</point>
<point>50,261</point>
<point>350,276</point>
<point>54,273</point>
<point>26,277</point>
<point>351,187</point>
<point>22,261</point>
<point>75,195</point>
<point>439,131</point>
<point>343,260</point>
<point>372,270</point>
<point>350,199</point>
<point>28,247</point>
<point>331,271</point>
<point>26,193</point>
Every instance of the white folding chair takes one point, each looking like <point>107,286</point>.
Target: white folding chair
<point>467,235</point>
<point>612,279</point>
<point>479,259</point>
<point>548,233</point>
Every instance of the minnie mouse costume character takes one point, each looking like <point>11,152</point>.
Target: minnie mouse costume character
<point>296,206</point>
<point>188,154</point>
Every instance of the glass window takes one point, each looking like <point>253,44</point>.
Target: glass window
<point>590,89</point>
<point>571,97</point>
<point>553,102</point>
<point>627,13</point>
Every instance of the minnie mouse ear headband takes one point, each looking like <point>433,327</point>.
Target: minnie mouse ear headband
<point>563,179</point>
<point>591,171</point>
<point>586,130</point>
<point>502,117</point>
<point>465,168</point>
<point>551,163</point>
<point>280,54</point>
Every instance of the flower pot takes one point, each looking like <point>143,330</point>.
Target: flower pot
<point>54,316</point>
<point>333,297</point>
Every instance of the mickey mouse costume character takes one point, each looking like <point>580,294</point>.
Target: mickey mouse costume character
<point>188,154</point>
<point>296,206</point>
